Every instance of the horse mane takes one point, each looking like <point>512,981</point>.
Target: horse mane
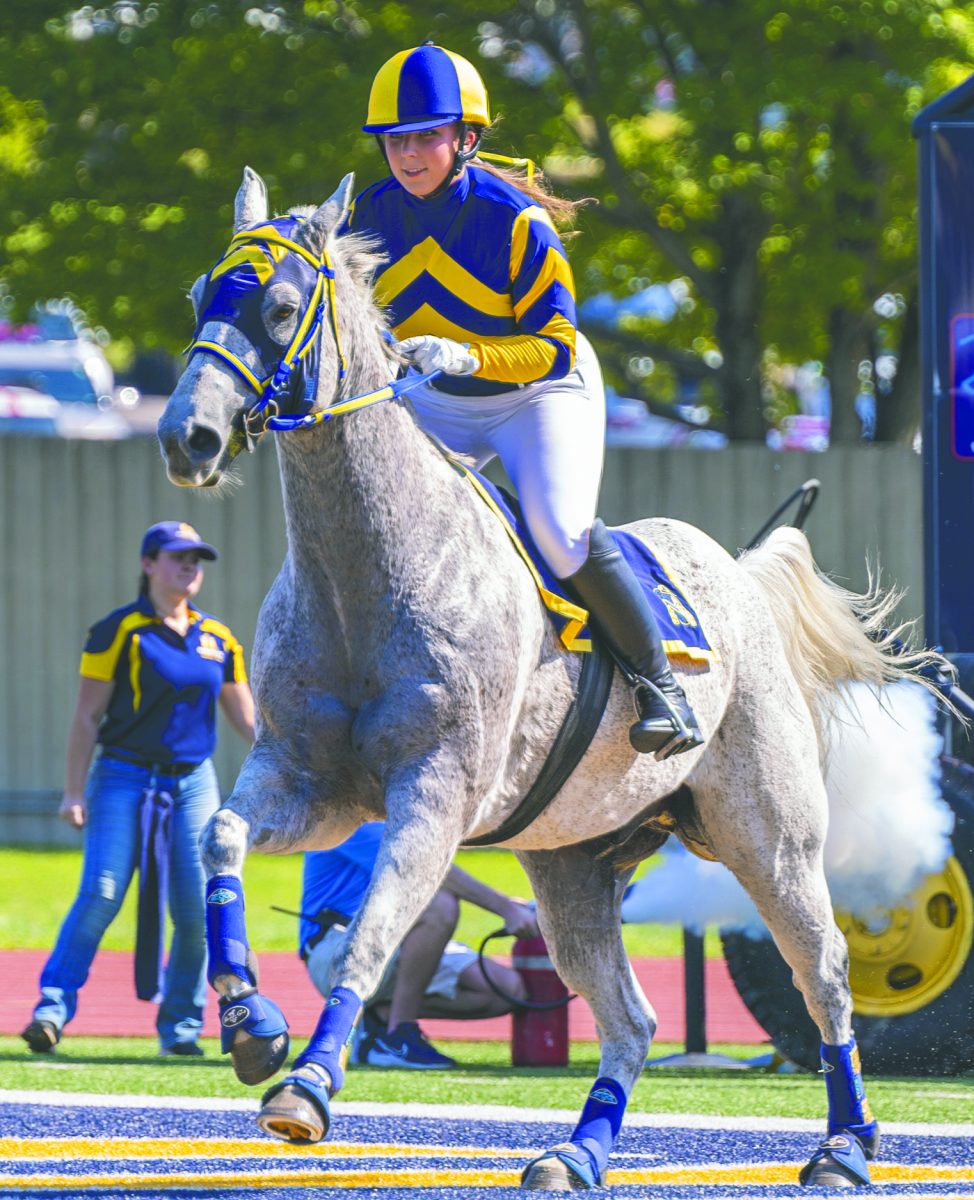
<point>832,634</point>
<point>361,255</point>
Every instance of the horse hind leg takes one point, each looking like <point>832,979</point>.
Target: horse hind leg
<point>253,1030</point>
<point>774,847</point>
<point>579,896</point>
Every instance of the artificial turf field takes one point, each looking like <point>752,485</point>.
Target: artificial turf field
<point>105,1117</point>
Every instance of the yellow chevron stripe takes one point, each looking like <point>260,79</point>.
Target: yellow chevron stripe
<point>554,269</point>
<point>519,235</point>
<point>101,665</point>
<point>429,257</point>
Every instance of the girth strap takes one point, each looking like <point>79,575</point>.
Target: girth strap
<point>575,736</point>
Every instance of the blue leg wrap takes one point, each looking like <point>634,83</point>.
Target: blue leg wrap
<point>849,1110</point>
<point>226,932</point>
<point>587,1154</point>
<point>332,1038</point>
<point>256,1014</point>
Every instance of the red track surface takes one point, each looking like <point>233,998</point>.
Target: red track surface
<point>107,1005</point>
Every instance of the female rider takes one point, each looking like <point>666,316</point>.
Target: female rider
<point>478,287</point>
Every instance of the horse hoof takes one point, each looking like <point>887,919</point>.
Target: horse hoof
<point>290,1114</point>
<point>257,1058</point>
<point>830,1175</point>
<point>549,1174</point>
<point>839,1162</point>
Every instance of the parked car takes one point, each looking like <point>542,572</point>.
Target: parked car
<point>24,411</point>
<point>74,373</point>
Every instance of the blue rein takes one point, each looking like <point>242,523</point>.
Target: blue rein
<point>391,391</point>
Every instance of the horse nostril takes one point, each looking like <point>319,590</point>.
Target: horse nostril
<point>204,442</point>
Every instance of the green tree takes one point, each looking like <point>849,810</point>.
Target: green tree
<point>760,152</point>
<point>757,155</point>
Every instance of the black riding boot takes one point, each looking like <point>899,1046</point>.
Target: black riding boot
<point>610,591</point>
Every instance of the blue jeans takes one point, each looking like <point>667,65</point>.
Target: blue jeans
<point>111,854</point>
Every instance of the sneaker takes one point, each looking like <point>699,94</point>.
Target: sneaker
<point>182,1050</point>
<point>41,1036</point>
<point>367,1030</point>
<point>405,1046</point>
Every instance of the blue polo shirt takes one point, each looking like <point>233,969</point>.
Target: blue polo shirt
<point>338,878</point>
<point>163,705</point>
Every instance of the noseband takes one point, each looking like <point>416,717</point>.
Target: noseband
<point>301,353</point>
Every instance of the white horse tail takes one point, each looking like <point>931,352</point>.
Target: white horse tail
<point>832,635</point>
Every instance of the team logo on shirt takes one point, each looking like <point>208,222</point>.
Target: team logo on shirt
<point>210,648</point>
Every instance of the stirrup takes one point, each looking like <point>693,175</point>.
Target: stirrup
<point>685,735</point>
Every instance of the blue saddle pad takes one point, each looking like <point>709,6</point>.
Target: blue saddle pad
<point>683,638</point>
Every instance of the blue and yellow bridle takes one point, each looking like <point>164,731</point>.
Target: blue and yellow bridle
<point>232,295</point>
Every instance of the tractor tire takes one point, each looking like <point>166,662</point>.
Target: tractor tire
<point>913,983</point>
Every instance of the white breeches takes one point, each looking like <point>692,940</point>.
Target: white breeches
<point>550,439</point>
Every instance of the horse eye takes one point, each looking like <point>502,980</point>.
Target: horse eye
<point>284,311</point>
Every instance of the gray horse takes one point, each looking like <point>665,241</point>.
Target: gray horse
<point>404,669</point>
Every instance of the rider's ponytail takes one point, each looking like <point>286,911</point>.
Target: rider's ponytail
<point>527,178</point>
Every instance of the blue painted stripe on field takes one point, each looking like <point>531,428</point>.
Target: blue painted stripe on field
<point>666,1145</point>
<point>641,1149</point>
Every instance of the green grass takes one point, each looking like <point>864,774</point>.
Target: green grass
<point>119,1066</point>
<point>39,886</point>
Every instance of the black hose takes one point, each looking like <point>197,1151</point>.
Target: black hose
<point>527,1005</point>
<point>806,495</point>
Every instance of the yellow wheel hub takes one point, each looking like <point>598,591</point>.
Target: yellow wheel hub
<point>913,955</point>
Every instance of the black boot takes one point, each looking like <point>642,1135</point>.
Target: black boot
<point>610,591</point>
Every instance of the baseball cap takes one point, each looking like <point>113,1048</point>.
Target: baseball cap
<point>175,536</point>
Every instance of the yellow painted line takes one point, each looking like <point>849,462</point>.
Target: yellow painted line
<point>268,1179</point>
<point>42,1149</point>
<point>755,1174</point>
<point>778,1173</point>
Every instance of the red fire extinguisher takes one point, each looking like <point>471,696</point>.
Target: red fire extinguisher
<point>539,1037</point>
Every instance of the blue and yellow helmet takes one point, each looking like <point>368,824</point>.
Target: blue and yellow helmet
<point>424,88</point>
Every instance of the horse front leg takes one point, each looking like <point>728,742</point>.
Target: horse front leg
<point>275,809</point>
<point>422,833</point>
<point>579,897</point>
<point>253,1030</point>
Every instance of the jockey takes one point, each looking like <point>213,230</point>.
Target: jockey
<point>478,287</point>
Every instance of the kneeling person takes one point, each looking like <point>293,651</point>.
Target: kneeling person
<point>429,975</point>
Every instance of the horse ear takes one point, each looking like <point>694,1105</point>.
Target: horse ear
<point>331,216</point>
<point>250,206</point>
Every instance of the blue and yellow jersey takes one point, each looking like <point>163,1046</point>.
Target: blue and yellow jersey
<point>481,264</point>
<point>163,705</point>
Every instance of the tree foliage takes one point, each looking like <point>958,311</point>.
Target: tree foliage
<point>759,154</point>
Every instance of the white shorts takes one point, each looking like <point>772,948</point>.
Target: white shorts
<point>445,982</point>
<point>550,439</point>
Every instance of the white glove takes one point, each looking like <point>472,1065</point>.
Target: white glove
<point>438,354</point>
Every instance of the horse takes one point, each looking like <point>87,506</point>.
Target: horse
<point>404,670</point>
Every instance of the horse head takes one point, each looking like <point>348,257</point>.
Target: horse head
<point>266,340</point>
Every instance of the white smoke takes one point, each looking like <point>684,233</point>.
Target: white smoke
<point>888,825</point>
